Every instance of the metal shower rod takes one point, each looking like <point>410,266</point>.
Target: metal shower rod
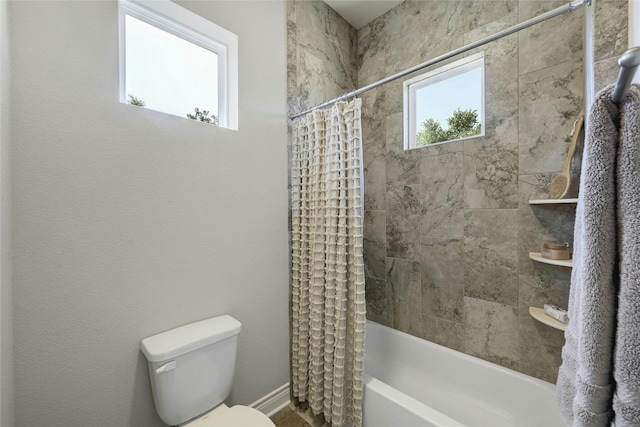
<point>500,34</point>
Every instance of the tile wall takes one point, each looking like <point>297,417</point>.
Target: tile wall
<point>448,228</point>
<point>321,55</point>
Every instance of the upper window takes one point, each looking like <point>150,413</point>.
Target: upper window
<point>445,104</point>
<point>176,62</point>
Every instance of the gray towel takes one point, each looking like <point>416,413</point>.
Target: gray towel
<point>606,255</point>
<point>626,400</point>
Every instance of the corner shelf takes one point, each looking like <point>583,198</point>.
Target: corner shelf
<point>538,314</point>
<point>551,201</point>
<point>537,256</point>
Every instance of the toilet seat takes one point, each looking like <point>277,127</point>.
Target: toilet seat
<point>236,416</point>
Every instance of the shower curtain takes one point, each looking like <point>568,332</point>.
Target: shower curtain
<point>327,284</point>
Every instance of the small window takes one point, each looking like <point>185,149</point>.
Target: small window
<point>445,104</point>
<point>176,62</point>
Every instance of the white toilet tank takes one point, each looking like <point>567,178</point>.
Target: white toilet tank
<point>192,367</point>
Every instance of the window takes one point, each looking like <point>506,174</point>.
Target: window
<point>445,104</point>
<point>176,62</point>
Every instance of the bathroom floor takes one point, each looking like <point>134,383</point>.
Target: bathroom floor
<point>288,418</point>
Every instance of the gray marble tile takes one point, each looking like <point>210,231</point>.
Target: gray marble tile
<point>371,52</point>
<point>379,297</point>
<point>540,346</point>
<point>541,223</point>
<point>505,17</point>
<point>290,9</point>
<point>403,167</point>
<point>393,103</point>
<point>403,52</point>
<point>292,52</point>
<point>310,19</point>
<point>550,101</point>
<point>374,122</point>
<point>374,150</point>
<point>441,27</point>
<point>491,166</point>
<point>364,41</point>
<point>375,243</point>
<point>332,89</point>
<point>490,249</point>
<point>375,183</point>
<point>563,33</point>
<point>491,332</point>
<point>439,149</point>
<point>479,13</point>
<point>443,332</point>
<point>610,30</point>
<point>442,260</point>
<point>548,286</point>
<point>310,78</point>
<point>394,137</point>
<point>341,61</point>
<point>501,68</point>
<point>403,221</point>
<point>528,9</point>
<point>442,195</point>
<point>403,276</point>
<point>402,19</point>
<point>605,73</point>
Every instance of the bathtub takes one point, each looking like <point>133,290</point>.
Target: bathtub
<point>411,382</point>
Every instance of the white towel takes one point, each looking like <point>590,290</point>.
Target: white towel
<point>606,256</point>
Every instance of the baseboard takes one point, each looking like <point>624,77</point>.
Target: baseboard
<point>274,401</point>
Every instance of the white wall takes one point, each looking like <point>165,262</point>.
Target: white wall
<point>6,322</point>
<point>128,222</point>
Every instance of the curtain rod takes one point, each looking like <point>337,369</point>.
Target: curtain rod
<point>500,34</point>
<point>628,62</point>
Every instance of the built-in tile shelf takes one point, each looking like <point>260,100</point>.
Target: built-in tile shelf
<point>538,314</point>
<point>552,201</point>
<point>537,256</point>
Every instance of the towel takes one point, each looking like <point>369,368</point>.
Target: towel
<point>626,400</point>
<point>586,375</point>
<point>602,326</point>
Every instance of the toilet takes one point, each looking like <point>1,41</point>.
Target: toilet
<point>191,370</point>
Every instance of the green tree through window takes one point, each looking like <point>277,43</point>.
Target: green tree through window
<point>462,124</point>
<point>203,116</point>
<point>133,100</point>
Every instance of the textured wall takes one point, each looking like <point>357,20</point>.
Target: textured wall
<point>129,222</point>
<point>6,244</point>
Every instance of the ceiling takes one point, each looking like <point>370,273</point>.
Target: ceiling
<point>360,12</point>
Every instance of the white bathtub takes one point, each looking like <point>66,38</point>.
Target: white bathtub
<point>411,382</point>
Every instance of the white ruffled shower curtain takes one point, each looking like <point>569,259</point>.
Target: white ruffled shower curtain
<point>327,286</point>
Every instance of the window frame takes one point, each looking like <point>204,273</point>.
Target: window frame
<point>180,22</point>
<point>447,71</point>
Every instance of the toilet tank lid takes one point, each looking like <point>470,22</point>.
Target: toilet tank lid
<point>170,344</point>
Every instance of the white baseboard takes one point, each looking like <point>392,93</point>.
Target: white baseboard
<point>273,402</point>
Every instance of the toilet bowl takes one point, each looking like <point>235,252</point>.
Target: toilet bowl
<point>191,370</point>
